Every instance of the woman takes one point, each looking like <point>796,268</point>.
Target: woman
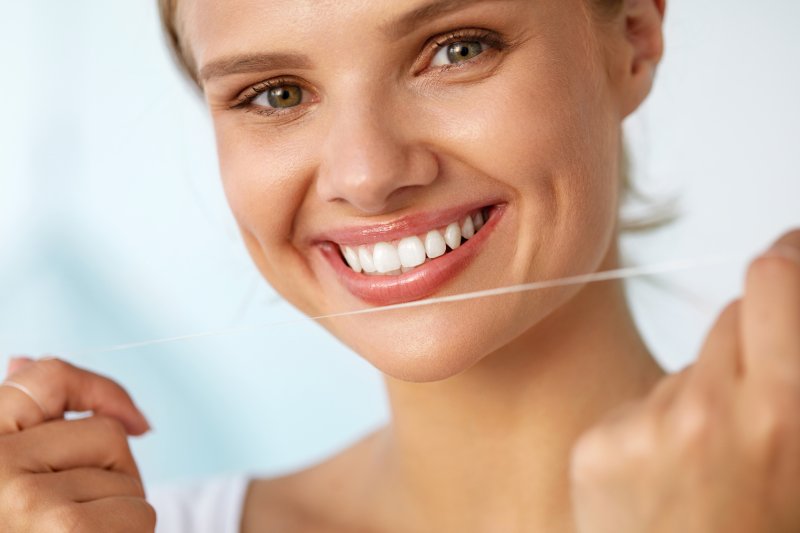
<point>381,152</point>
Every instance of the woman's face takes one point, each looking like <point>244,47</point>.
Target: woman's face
<point>379,124</point>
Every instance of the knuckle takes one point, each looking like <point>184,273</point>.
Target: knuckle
<point>148,515</point>
<point>21,495</point>
<point>65,518</point>
<point>641,440</point>
<point>53,367</point>
<point>8,451</point>
<point>623,443</point>
<point>774,425</point>
<point>691,424</point>
<point>589,461</point>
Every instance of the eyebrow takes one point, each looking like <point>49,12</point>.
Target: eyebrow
<point>406,23</point>
<point>245,63</point>
<point>260,62</point>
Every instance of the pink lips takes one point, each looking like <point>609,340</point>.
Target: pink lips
<point>425,279</point>
<point>409,225</point>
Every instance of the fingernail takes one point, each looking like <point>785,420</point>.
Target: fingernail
<point>17,362</point>
<point>785,251</point>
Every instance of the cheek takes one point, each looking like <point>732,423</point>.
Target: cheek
<point>264,186</point>
<point>543,128</point>
<point>255,176</point>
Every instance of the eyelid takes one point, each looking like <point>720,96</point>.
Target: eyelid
<point>246,97</point>
<point>244,101</point>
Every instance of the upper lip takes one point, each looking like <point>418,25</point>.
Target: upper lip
<point>413,224</point>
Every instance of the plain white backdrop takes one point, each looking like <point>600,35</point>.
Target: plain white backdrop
<point>113,226</point>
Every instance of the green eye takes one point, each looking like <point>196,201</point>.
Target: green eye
<point>284,96</point>
<point>463,51</point>
<point>458,52</point>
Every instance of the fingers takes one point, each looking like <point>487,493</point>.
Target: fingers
<point>83,484</point>
<point>16,363</point>
<point>94,442</point>
<point>114,514</point>
<point>59,387</point>
<point>720,359</point>
<point>771,314</point>
<point>665,392</point>
<point>117,514</point>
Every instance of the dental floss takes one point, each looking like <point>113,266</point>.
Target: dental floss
<point>609,275</point>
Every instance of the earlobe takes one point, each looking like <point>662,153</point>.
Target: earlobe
<point>644,36</point>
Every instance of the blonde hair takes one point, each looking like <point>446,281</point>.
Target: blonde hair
<point>168,11</point>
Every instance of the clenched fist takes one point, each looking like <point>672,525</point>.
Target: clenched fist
<point>74,476</point>
<point>715,448</point>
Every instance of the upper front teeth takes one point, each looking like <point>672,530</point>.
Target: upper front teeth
<point>434,244</point>
<point>364,259</point>
<point>385,257</point>
<point>452,235</point>
<point>409,252</point>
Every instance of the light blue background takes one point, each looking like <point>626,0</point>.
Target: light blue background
<point>113,227</point>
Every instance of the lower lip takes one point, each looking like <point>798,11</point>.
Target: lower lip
<point>419,283</point>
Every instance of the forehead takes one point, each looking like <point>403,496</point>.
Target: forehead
<point>221,27</point>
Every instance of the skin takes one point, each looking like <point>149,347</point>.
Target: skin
<point>69,476</point>
<point>558,173</point>
<point>533,412</point>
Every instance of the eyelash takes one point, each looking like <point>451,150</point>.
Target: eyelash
<point>245,100</point>
<point>494,41</point>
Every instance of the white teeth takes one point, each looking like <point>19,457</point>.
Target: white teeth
<point>386,258</point>
<point>351,256</point>
<point>467,229</point>
<point>411,252</point>
<point>365,258</point>
<point>434,244</point>
<point>478,221</point>
<point>452,235</point>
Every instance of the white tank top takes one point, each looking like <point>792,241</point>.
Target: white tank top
<point>211,506</point>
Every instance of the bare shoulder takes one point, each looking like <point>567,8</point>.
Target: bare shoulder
<point>324,498</point>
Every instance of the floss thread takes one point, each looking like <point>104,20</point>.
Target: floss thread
<point>595,277</point>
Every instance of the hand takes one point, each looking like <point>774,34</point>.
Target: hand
<point>715,448</point>
<point>75,476</point>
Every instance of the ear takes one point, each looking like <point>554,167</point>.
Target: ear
<point>644,42</point>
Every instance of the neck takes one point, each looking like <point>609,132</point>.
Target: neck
<point>488,450</point>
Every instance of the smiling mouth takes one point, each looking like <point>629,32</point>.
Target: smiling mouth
<point>399,256</point>
<point>409,258</point>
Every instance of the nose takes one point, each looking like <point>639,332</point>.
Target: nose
<point>368,158</point>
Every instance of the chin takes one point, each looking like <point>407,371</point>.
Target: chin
<point>367,266</point>
<point>438,342</point>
